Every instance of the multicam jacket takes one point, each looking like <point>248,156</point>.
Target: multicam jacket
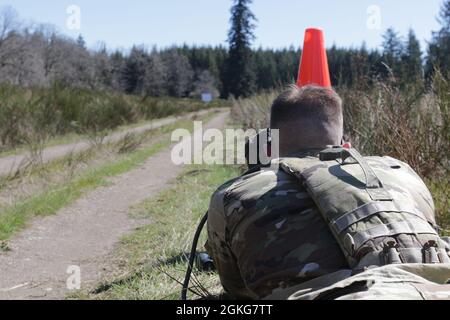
<point>267,235</point>
<point>264,232</point>
<point>417,281</point>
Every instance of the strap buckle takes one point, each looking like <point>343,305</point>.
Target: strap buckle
<point>374,186</point>
<point>391,253</point>
<point>430,254</point>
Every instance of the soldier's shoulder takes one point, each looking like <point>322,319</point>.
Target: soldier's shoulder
<point>397,170</point>
<point>255,184</point>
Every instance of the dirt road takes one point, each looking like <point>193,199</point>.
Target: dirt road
<point>82,234</point>
<point>10,164</point>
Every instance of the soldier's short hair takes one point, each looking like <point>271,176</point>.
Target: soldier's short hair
<point>310,116</point>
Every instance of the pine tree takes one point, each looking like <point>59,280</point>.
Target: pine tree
<point>239,74</point>
<point>266,69</point>
<point>133,72</point>
<point>444,16</point>
<point>155,76</point>
<point>412,59</point>
<point>439,48</point>
<point>179,73</point>
<point>392,52</point>
<point>81,42</point>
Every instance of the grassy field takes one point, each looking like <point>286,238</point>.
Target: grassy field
<point>32,116</point>
<point>117,158</point>
<point>74,137</point>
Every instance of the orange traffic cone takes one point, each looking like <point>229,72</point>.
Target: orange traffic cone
<point>314,63</point>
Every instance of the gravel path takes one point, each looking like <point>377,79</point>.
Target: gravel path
<point>84,233</point>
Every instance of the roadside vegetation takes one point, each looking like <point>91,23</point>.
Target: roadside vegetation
<point>30,117</point>
<point>46,188</point>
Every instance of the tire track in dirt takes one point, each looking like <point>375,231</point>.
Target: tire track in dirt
<point>84,233</point>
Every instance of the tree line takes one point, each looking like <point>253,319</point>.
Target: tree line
<point>38,56</point>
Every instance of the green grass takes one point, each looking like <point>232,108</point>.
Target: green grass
<point>15,217</point>
<point>153,258</point>
<point>49,202</point>
<point>31,116</point>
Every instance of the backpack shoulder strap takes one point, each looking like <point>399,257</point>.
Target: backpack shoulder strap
<point>364,213</point>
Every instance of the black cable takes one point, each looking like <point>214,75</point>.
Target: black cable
<point>187,278</point>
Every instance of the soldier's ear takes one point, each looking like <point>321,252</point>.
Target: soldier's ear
<point>345,143</point>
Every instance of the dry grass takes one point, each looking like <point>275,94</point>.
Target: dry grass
<point>32,116</point>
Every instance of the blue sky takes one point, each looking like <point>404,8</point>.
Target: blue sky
<point>281,23</point>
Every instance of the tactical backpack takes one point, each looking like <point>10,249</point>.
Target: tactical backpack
<point>378,209</point>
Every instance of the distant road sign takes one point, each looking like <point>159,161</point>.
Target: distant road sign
<point>207,97</point>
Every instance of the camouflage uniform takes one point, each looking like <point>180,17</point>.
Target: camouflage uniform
<point>264,232</point>
<point>268,237</point>
<point>391,282</point>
